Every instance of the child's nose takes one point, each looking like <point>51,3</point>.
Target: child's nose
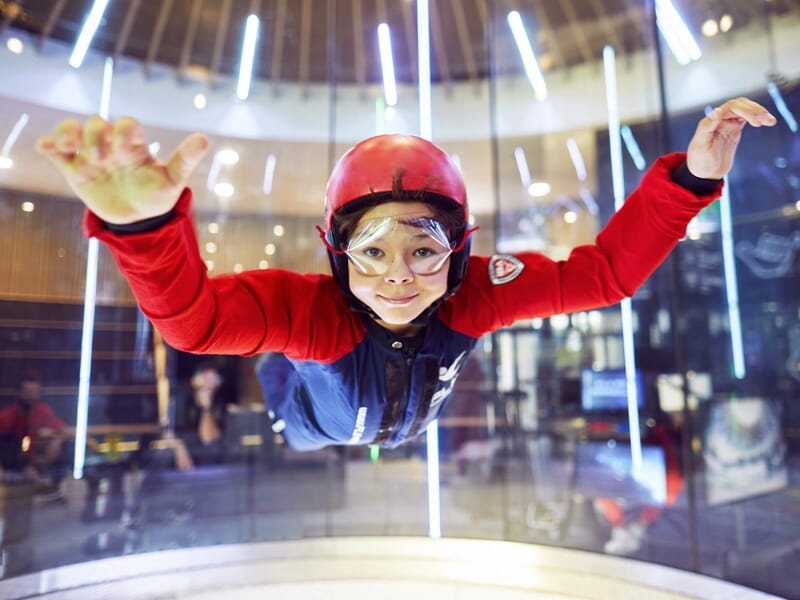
<point>399,271</point>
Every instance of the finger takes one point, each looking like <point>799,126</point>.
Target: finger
<point>96,139</point>
<point>186,157</point>
<point>46,146</point>
<point>744,108</point>
<point>68,136</point>
<point>129,138</point>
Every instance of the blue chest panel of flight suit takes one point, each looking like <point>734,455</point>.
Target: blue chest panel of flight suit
<point>385,391</point>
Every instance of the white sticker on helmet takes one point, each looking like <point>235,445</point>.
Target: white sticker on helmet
<point>504,268</point>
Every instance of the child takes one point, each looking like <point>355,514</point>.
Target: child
<point>375,349</point>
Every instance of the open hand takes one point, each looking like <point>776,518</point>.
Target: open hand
<point>110,168</point>
<point>713,146</point>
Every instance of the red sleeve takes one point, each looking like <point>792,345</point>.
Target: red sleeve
<point>632,245</point>
<point>45,417</point>
<point>305,316</point>
<point>6,418</point>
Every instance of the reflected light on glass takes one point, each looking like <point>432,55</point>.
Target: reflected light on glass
<point>632,147</point>
<point>209,264</point>
<point>27,207</point>
<point>278,230</point>
<point>528,57</point>
<point>224,189</point>
<point>269,174</point>
<point>238,268</point>
<point>211,247</point>
<point>677,35</point>
<point>539,188</point>
<point>263,264</point>
<point>780,104</point>
<point>154,148</point>
<point>5,162</point>
<point>248,55</point>
<point>199,101</point>
<point>13,136</point>
<point>213,227</point>
<point>387,64</point>
<point>725,23</point>
<point>228,157</point>
<point>87,33</point>
<point>269,249</point>
<point>522,166</point>
<point>577,159</point>
<point>570,216</point>
<point>15,45</point>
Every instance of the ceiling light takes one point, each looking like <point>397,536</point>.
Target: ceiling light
<point>570,216</point>
<point>632,147</point>
<point>14,45</point>
<point>248,54</point>
<point>199,101</point>
<point>538,189</point>
<point>5,162</point>
<point>213,228</point>
<point>223,189</point>
<point>577,159</point>
<point>211,247</point>
<point>12,137</point>
<point>154,148</point>
<point>87,33</point>
<point>210,264</point>
<point>238,268</point>
<point>387,64</point>
<point>528,57</point>
<point>522,166</point>
<point>27,206</point>
<point>278,230</point>
<point>725,23</point>
<point>710,28</point>
<point>269,249</point>
<point>783,109</point>
<point>263,264</point>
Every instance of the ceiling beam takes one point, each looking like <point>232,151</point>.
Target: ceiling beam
<point>577,31</point>
<point>219,40</point>
<point>127,25</point>
<point>463,37</point>
<point>438,44</point>
<point>305,44</point>
<point>277,43</point>
<point>188,39</point>
<point>158,33</point>
<point>52,19</point>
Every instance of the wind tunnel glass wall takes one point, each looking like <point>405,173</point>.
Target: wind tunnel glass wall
<point>535,443</point>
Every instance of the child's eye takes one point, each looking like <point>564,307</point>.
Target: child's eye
<point>373,252</point>
<point>424,252</point>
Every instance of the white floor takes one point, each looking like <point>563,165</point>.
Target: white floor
<point>389,567</point>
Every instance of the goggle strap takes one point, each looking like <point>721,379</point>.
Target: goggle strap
<point>464,238</point>
<point>324,239</point>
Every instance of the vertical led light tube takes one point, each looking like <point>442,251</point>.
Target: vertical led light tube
<point>425,125</point>
<point>618,183</point>
<point>731,289</point>
<point>248,56</point>
<point>387,64</point>
<point>87,33</point>
<point>89,303</point>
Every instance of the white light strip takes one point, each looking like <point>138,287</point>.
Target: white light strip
<point>676,33</point>
<point>87,331</point>
<point>577,159</point>
<point>610,68</point>
<point>426,131</point>
<point>731,289</point>
<point>633,147</point>
<point>269,174</point>
<point>248,53</point>
<point>213,172</point>
<point>15,131</point>
<point>589,201</point>
<point>522,167</point>
<point>424,68</point>
<point>87,33</point>
<point>105,93</point>
<point>387,64</point>
<point>780,105</point>
<point>528,57</point>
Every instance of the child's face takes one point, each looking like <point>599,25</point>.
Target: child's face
<point>400,294</point>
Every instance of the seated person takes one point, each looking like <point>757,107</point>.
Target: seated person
<point>39,433</point>
<point>203,422</point>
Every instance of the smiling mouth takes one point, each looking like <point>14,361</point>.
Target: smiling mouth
<point>398,301</point>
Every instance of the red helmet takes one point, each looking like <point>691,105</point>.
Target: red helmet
<point>369,172</point>
<point>371,167</point>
